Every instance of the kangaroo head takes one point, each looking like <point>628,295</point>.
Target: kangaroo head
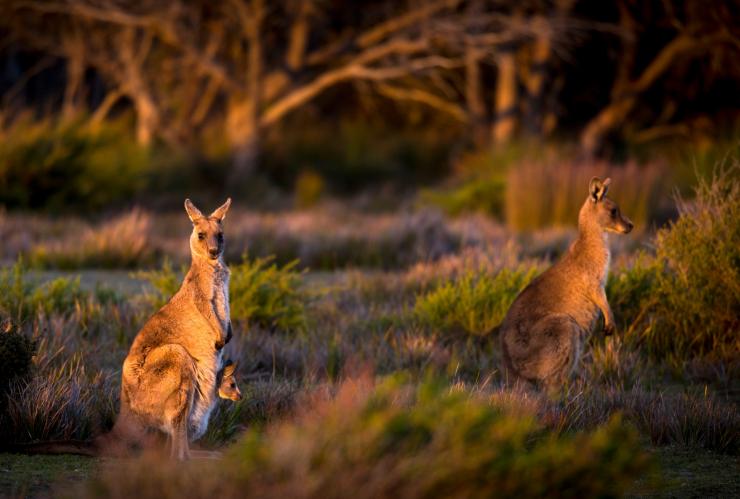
<point>207,239</point>
<point>602,210</point>
<point>228,389</point>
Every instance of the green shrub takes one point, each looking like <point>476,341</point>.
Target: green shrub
<point>165,282</point>
<point>480,195</point>
<point>698,311</point>
<point>399,440</point>
<point>474,304</point>
<point>21,296</point>
<point>16,355</point>
<point>260,292</point>
<point>265,294</point>
<point>58,166</point>
<point>479,185</point>
<point>309,187</point>
<point>632,292</point>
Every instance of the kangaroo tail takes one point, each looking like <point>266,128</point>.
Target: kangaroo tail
<point>88,448</point>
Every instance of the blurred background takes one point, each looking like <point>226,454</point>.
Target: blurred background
<point>437,121</point>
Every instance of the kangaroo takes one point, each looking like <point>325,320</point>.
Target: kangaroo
<point>169,376</point>
<point>543,332</point>
<point>227,387</point>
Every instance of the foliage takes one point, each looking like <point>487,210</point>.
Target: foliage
<point>21,296</point>
<point>698,310</point>
<point>309,187</point>
<point>16,354</point>
<point>479,182</point>
<point>405,440</point>
<point>164,281</point>
<point>65,165</point>
<point>475,303</point>
<point>265,294</point>
<point>632,291</point>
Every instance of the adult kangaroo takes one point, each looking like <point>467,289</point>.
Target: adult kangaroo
<point>543,332</point>
<point>169,378</point>
<point>173,374</point>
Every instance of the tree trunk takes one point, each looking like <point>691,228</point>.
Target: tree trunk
<point>243,134</point>
<point>243,119</point>
<point>75,73</point>
<point>506,109</point>
<point>474,96</point>
<point>534,78</point>
<point>147,119</point>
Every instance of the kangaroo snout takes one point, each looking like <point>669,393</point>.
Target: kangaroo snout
<point>626,225</point>
<point>213,252</point>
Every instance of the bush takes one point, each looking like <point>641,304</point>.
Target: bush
<point>697,310</point>
<point>479,185</point>
<point>398,440</point>
<point>632,291</point>
<point>267,295</point>
<point>165,282</point>
<point>59,403</point>
<point>59,166</point>
<point>16,355</point>
<point>475,303</point>
<point>260,292</point>
<point>21,296</point>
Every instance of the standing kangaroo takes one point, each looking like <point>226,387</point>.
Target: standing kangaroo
<point>543,332</point>
<point>173,374</point>
<point>169,378</point>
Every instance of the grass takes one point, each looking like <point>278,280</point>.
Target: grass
<point>404,440</point>
<point>393,375</point>
<point>473,304</point>
<point>41,476</point>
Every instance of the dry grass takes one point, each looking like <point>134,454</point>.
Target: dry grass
<point>550,194</point>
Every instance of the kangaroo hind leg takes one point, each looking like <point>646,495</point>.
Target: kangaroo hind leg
<point>553,351</point>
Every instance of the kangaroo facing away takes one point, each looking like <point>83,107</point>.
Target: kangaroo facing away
<point>169,376</point>
<point>543,333</point>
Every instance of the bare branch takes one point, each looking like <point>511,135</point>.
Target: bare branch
<point>423,97</point>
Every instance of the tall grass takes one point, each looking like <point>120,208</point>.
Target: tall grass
<point>545,194</point>
<point>699,308</point>
<point>122,242</point>
<point>684,302</point>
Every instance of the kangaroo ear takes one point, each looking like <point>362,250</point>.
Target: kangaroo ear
<point>597,188</point>
<point>229,369</point>
<point>193,212</point>
<point>220,212</point>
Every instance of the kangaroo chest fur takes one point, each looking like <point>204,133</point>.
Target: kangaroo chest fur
<point>211,296</point>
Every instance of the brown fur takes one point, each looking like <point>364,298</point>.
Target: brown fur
<point>169,376</point>
<point>543,333</point>
<point>227,387</point>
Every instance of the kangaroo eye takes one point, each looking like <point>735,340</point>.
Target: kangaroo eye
<point>201,235</point>
<point>614,212</point>
<point>233,385</point>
